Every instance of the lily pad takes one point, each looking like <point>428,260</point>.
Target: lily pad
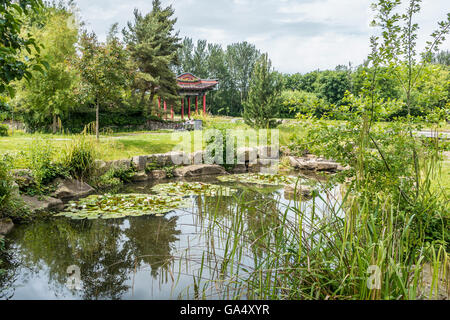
<point>260,179</point>
<point>122,205</point>
<point>184,189</point>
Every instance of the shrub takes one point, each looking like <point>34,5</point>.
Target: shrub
<point>41,162</point>
<point>3,130</point>
<point>156,166</point>
<point>108,181</point>
<point>115,177</point>
<point>79,157</point>
<point>6,180</point>
<point>10,205</point>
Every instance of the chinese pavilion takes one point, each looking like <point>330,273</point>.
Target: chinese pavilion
<point>191,86</point>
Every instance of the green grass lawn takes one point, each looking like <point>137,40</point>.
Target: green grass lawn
<point>128,144</point>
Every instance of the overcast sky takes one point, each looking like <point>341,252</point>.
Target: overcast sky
<point>299,35</point>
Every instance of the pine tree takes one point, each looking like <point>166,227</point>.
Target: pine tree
<point>262,104</point>
<point>154,49</point>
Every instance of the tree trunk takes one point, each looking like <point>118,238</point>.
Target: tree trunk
<point>54,123</point>
<point>97,116</point>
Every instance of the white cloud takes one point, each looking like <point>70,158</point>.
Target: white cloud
<point>299,35</point>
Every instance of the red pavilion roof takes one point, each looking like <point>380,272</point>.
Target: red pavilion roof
<point>190,83</point>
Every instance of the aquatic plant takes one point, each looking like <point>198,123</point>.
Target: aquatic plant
<point>260,178</point>
<point>122,205</point>
<point>193,188</point>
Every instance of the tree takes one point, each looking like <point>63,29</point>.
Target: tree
<point>241,58</point>
<point>16,58</point>
<point>332,85</point>
<point>263,102</point>
<point>442,57</point>
<point>50,94</point>
<point>153,46</point>
<point>104,71</point>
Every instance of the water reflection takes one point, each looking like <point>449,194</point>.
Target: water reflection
<point>135,258</point>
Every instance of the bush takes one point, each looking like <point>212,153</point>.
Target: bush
<point>41,162</point>
<point>6,181</point>
<point>115,177</point>
<point>10,205</point>
<point>79,157</point>
<point>3,130</point>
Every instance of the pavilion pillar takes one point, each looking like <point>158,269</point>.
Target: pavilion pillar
<point>171,111</point>
<point>182,108</point>
<point>196,104</point>
<point>204,104</point>
<point>165,109</point>
<point>189,107</point>
<point>159,105</point>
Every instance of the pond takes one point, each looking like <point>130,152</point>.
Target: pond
<point>167,256</point>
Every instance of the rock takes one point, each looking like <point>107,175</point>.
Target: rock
<point>285,151</point>
<point>6,225</point>
<point>139,162</point>
<point>199,170</point>
<point>239,168</point>
<point>298,192</point>
<point>157,175</point>
<point>140,177</point>
<point>123,163</point>
<point>42,204</point>
<point>255,167</point>
<point>196,157</point>
<point>440,285</point>
<point>310,163</point>
<point>101,167</point>
<point>16,189</point>
<point>71,188</point>
<point>23,177</point>
<point>326,166</point>
<point>178,158</point>
<point>159,159</point>
<point>268,152</point>
<point>247,155</point>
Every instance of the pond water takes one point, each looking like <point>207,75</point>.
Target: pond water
<point>145,257</point>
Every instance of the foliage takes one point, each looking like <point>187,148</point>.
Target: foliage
<point>184,189</point>
<point>108,181</point>
<point>104,70</point>
<point>331,86</point>
<point>6,180</point>
<point>40,159</point>
<point>262,105</point>
<point>153,47</point>
<point>51,94</point>
<point>169,170</point>
<point>122,205</point>
<point>442,57</point>
<point>4,130</point>
<point>260,178</point>
<point>123,173</point>
<point>79,157</point>
<point>10,204</point>
<point>15,64</point>
<point>302,103</point>
<point>232,66</point>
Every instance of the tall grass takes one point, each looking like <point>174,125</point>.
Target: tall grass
<point>79,156</point>
<point>329,251</point>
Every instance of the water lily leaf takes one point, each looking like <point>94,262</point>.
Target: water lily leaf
<point>184,189</point>
<point>260,179</point>
<point>120,206</point>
